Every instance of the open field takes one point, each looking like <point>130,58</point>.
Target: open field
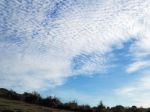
<point>17,106</point>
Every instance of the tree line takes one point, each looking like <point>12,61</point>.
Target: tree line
<point>54,102</point>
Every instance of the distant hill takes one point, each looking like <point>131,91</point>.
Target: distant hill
<point>35,99</point>
<point>10,101</point>
<point>19,106</point>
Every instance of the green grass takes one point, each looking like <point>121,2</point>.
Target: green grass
<point>18,106</point>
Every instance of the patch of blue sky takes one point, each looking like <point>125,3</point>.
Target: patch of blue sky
<point>101,84</point>
<point>122,55</point>
<point>98,87</point>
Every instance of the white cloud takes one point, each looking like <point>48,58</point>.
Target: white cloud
<point>138,91</point>
<point>34,44</point>
<point>138,65</point>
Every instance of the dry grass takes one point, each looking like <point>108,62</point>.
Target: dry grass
<point>17,106</point>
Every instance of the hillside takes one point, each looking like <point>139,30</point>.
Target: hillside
<point>18,106</point>
<point>11,101</point>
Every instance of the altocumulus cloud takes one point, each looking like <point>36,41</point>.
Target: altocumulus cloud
<point>42,42</point>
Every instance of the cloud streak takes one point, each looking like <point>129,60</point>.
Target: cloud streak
<point>138,91</point>
<point>138,65</point>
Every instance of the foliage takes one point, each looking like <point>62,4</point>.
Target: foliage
<point>54,102</point>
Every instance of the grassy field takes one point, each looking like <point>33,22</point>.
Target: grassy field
<point>17,106</point>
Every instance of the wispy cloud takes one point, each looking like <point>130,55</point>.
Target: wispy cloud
<point>39,39</point>
<point>138,65</point>
<point>137,91</point>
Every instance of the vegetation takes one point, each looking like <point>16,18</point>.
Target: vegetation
<point>19,106</point>
<point>39,104</point>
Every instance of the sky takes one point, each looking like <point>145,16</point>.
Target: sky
<point>83,50</point>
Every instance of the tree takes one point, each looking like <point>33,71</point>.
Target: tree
<point>33,97</point>
<point>118,108</point>
<point>51,102</point>
<point>72,105</point>
<point>101,107</point>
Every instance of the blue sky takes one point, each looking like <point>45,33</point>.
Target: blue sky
<point>79,50</point>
